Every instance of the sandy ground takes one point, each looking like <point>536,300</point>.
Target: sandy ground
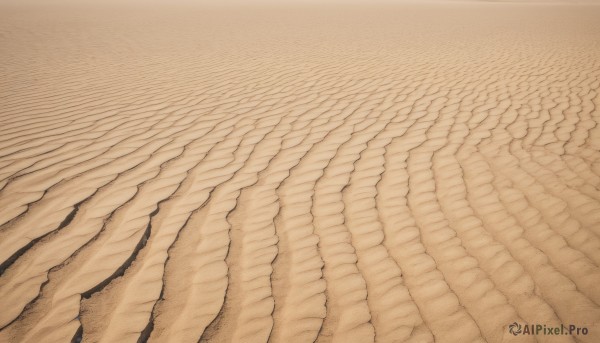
<point>420,172</point>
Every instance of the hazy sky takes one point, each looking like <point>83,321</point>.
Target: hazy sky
<point>229,3</point>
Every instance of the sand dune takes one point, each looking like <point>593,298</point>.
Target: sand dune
<point>411,173</point>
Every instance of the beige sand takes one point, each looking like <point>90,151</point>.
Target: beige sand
<point>415,172</point>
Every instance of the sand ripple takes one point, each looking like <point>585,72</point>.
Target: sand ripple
<point>410,174</point>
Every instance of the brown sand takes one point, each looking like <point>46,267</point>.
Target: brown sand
<point>416,172</point>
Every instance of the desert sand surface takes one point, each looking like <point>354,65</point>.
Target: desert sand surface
<point>195,172</point>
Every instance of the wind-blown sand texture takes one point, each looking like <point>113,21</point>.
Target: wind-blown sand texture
<point>411,173</point>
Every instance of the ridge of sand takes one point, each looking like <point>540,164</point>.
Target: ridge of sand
<point>410,173</point>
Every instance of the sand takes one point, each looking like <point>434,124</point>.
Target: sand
<point>415,172</point>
